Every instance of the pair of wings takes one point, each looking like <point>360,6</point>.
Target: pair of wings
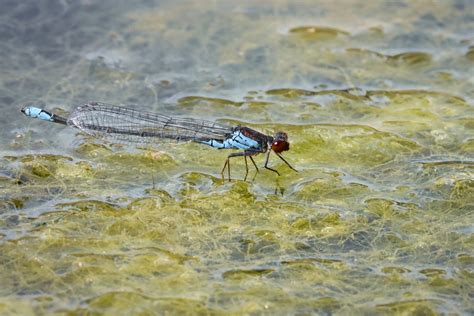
<point>131,126</point>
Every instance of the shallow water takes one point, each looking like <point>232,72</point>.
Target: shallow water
<point>377,99</point>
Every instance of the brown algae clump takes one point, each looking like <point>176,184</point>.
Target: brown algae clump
<point>317,32</point>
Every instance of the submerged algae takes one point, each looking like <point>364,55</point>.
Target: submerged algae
<point>379,115</point>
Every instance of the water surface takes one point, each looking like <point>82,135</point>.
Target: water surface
<point>377,99</point>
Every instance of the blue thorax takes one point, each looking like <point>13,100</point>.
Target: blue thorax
<point>237,140</point>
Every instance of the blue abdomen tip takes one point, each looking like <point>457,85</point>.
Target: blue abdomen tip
<point>35,112</point>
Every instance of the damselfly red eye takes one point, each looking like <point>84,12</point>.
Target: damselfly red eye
<point>280,146</point>
<point>280,142</point>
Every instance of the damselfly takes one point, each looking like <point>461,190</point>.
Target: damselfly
<point>132,126</point>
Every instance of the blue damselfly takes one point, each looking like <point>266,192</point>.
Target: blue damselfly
<point>132,126</point>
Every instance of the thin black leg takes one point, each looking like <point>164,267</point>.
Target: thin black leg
<point>266,163</point>
<point>244,154</point>
<point>246,168</point>
<point>251,158</point>
<point>223,168</point>
<point>286,162</point>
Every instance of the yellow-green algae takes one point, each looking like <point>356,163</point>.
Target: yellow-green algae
<point>376,97</point>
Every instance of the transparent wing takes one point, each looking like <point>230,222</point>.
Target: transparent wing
<point>131,126</point>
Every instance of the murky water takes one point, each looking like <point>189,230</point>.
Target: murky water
<point>377,99</point>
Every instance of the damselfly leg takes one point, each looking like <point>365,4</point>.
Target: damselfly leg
<point>266,163</point>
<point>279,155</point>
<point>245,154</point>
<point>287,163</point>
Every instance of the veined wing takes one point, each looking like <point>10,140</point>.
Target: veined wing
<point>132,126</point>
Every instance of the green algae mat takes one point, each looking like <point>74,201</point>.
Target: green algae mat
<point>377,98</point>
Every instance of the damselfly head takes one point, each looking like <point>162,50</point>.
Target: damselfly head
<point>280,142</point>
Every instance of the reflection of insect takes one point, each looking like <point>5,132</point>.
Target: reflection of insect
<point>132,126</point>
